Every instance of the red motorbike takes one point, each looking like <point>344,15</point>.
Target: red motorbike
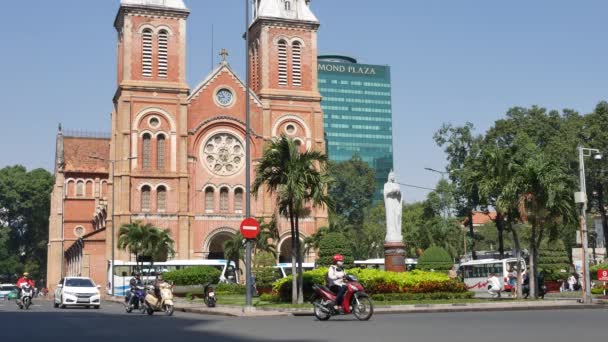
<point>356,301</point>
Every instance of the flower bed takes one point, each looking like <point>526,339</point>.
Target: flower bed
<point>378,282</point>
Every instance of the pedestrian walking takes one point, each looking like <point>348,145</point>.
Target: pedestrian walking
<point>571,282</point>
<point>452,273</point>
<point>513,282</point>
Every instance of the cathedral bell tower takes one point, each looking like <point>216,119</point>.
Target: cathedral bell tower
<point>283,63</point>
<point>149,121</point>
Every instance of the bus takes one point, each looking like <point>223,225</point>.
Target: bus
<point>475,273</point>
<point>123,271</point>
<point>284,269</point>
<point>410,264</point>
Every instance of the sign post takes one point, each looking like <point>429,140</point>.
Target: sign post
<point>602,275</point>
<point>250,228</point>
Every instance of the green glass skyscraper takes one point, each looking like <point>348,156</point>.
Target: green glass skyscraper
<point>358,115</point>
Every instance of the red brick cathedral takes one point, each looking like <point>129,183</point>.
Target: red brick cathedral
<point>176,156</point>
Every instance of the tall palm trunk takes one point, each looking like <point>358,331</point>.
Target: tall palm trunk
<point>294,278</point>
<point>472,234</point>
<point>517,254</point>
<point>500,229</point>
<point>532,273</point>
<point>299,258</point>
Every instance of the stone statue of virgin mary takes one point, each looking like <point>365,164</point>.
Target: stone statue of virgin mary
<point>393,206</point>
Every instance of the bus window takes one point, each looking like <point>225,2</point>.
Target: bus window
<point>122,271</point>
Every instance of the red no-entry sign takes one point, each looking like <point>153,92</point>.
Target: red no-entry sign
<point>602,275</point>
<point>250,228</point>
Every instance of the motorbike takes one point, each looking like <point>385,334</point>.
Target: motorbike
<point>355,301</point>
<point>25,300</point>
<point>541,290</point>
<point>209,295</point>
<point>135,300</point>
<point>164,304</point>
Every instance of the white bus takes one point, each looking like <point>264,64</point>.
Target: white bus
<point>410,263</point>
<point>284,269</point>
<point>475,273</point>
<point>123,271</point>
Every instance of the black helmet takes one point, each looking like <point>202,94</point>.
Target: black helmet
<point>136,273</point>
<point>159,273</point>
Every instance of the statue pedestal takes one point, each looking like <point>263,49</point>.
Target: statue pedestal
<point>394,256</point>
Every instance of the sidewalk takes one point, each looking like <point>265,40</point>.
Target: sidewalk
<point>504,305</point>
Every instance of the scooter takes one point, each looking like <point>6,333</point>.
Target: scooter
<point>355,301</point>
<point>209,295</point>
<point>27,293</point>
<point>165,304</point>
<point>135,300</point>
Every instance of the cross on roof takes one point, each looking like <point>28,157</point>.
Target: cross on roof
<point>224,54</point>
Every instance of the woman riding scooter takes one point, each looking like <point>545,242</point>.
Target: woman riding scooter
<point>335,280</point>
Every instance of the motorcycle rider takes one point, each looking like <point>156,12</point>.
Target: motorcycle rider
<point>159,281</point>
<point>25,279</point>
<point>133,284</point>
<point>335,279</point>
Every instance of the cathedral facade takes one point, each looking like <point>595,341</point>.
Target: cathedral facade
<point>175,156</point>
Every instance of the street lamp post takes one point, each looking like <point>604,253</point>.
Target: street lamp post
<point>581,198</point>
<point>112,162</point>
<point>248,283</point>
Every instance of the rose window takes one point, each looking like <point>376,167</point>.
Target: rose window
<point>224,154</point>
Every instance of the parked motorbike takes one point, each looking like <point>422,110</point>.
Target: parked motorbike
<point>209,295</point>
<point>355,301</point>
<point>135,300</point>
<point>25,300</point>
<point>541,290</point>
<point>164,304</point>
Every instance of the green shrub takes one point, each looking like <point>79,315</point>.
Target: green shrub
<point>390,297</point>
<point>436,259</point>
<point>230,289</point>
<point>193,276</point>
<point>265,277</point>
<point>553,260</point>
<point>332,244</point>
<point>272,298</point>
<point>378,282</point>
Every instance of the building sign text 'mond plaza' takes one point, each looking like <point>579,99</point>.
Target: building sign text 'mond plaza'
<point>356,69</point>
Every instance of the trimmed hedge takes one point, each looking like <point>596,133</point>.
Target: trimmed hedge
<point>436,259</point>
<point>193,276</point>
<point>553,261</point>
<point>265,277</point>
<point>230,289</point>
<point>378,282</point>
<point>332,244</point>
<point>387,297</point>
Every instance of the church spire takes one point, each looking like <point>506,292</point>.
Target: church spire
<point>284,9</point>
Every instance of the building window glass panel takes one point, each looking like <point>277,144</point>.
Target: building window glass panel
<point>80,189</point>
<point>160,152</point>
<point>209,200</point>
<point>238,200</point>
<point>147,151</point>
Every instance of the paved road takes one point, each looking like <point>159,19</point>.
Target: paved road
<point>111,324</point>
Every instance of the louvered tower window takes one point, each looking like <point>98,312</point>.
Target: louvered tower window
<point>224,199</point>
<point>160,152</point>
<point>145,198</point>
<point>297,64</point>
<point>283,63</point>
<point>238,200</point>
<point>163,41</point>
<point>161,199</point>
<point>146,60</point>
<point>209,200</point>
<point>147,151</point>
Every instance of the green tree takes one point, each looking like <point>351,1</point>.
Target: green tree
<point>234,249</point>
<point>332,244</point>
<point>352,189</point>
<point>25,209</point>
<point>146,242</point>
<point>553,260</point>
<point>9,262</point>
<point>299,181</point>
<point>436,259</point>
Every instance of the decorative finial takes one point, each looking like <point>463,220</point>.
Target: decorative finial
<point>224,55</point>
<point>60,129</point>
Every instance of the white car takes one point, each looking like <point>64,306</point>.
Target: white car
<point>77,291</point>
<point>6,289</point>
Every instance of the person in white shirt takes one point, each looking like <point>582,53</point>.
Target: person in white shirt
<point>571,282</point>
<point>494,287</point>
<point>335,279</point>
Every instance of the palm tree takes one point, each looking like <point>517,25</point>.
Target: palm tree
<point>132,237</point>
<point>296,179</point>
<point>233,249</point>
<point>159,245</point>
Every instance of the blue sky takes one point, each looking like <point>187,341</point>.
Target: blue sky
<point>452,61</point>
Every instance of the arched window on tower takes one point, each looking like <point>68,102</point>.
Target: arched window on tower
<point>288,5</point>
<point>238,200</point>
<point>145,198</point>
<point>163,43</point>
<point>147,151</point>
<point>161,199</point>
<point>296,68</point>
<point>161,151</point>
<point>282,62</point>
<point>80,189</point>
<point>224,199</point>
<point>146,53</point>
<point>209,200</point>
